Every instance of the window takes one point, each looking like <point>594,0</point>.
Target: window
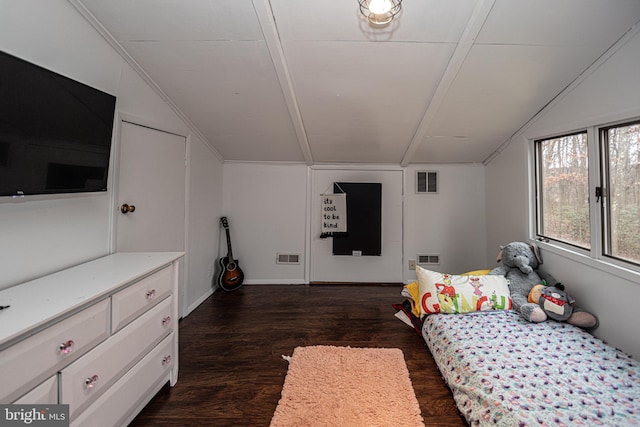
<point>563,189</point>
<point>579,180</point>
<point>621,190</point>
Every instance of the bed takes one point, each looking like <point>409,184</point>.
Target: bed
<point>503,370</point>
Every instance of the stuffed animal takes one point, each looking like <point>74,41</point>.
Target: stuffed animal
<point>535,293</point>
<point>555,302</point>
<point>519,265</point>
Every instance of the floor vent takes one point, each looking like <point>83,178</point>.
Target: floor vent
<point>428,259</point>
<point>287,258</point>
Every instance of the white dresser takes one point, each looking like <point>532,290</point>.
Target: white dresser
<point>101,337</point>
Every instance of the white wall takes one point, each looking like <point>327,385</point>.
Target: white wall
<point>43,234</point>
<point>267,209</point>
<point>610,92</point>
<point>265,205</point>
<point>204,211</point>
<point>451,223</point>
<point>507,199</point>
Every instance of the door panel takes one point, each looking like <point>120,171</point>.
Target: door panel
<point>326,267</point>
<point>151,179</point>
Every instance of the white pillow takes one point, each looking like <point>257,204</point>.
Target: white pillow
<point>450,293</point>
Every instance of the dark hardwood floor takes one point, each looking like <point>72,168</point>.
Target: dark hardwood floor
<point>231,369</point>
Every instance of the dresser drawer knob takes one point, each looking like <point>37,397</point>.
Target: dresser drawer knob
<point>166,320</point>
<point>166,360</point>
<point>91,381</point>
<point>66,347</point>
<point>151,295</point>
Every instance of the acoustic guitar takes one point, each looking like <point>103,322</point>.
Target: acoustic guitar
<point>231,276</point>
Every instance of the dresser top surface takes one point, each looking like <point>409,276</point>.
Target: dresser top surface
<point>35,304</point>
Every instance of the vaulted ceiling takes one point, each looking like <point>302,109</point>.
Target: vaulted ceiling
<point>302,81</point>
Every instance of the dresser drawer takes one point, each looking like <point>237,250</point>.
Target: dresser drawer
<point>131,302</point>
<point>87,378</point>
<point>29,362</point>
<point>45,394</point>
<point>137,387</point>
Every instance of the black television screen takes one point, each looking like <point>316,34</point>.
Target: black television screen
<point>55,132</point>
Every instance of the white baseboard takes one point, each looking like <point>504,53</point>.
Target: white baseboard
<point>276,282</point>
<point>198,302</point>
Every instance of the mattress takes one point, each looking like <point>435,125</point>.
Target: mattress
<point>503,370</point>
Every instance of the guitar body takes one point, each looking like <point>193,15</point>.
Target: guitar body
<point>231,275</point>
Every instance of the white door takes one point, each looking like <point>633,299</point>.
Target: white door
<point>151,192</point>
<point>326,267</point>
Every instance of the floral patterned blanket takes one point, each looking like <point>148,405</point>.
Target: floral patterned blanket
<point>505,371</point>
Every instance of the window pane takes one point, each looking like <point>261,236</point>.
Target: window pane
<point>623,207</point>
<point>564,189</point>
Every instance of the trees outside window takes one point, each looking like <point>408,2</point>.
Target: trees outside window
<point>566,201</point>
<point>621,204</point>
<point>563,189</point>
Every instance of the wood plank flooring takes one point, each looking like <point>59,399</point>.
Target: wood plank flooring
<point>231,347</point>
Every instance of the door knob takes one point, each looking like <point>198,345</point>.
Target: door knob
<point>125,208</point>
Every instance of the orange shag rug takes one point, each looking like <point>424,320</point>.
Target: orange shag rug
<point>345,386</point>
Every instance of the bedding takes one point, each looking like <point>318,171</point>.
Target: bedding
<point>505,371</point>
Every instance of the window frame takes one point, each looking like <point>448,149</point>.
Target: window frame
<point>539,202</point>
<point>605,203</point>
<point>595,255</point>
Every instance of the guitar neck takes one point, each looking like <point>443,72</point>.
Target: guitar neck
<point>229,250</point>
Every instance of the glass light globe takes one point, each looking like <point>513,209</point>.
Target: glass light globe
<point>380,7</point>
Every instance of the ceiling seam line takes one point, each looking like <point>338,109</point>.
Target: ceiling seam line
<point>475,24</point>
<point>276,52</point>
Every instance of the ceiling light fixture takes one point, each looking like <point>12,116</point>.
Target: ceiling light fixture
<point>380,12</point>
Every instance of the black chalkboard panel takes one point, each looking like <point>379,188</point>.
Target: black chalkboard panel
<point>364,219</point>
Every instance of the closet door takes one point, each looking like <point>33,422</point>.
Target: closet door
<point>151,192</point>
<point>385,267</point>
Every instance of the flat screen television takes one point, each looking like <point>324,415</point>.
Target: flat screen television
<point>55,132</point>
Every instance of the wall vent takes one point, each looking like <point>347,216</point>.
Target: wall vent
<point>427,182</point>
<point>287,258</point>
<point>428,259</point>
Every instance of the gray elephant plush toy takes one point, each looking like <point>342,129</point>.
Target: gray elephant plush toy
<point>519,265</point>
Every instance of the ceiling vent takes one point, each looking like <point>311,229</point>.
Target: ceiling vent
<point>428,259</point>
<point>427,182</point>
<point>287,258</point>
